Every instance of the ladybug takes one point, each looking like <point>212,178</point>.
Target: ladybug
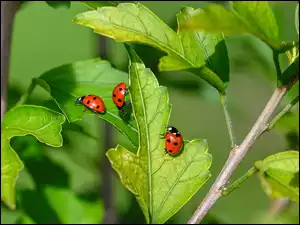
<point>119,94</point>
<point>173,141</point>
<point>92,102</point>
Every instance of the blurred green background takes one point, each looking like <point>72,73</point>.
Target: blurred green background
<point>63,185</point>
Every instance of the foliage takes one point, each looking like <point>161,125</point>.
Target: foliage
<point>161,184</point>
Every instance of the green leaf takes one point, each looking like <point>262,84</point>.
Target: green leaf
<point>130,22</point>
<point>57,4</point>
<point>161,183</point>
<point>297,18</point>
<point>71,209</point>
<point>96,4</point>
<point>68,82</point>
<point>38,121</point>
<point>279,175</point>
<point>254,18</point>
<point>204,46</point>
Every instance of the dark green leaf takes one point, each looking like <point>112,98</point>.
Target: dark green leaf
<point>254,17</point>
<point>68,82</point>
<point>130,22</point>
<point>57,4</point>
<point>40,122</point>
<point>147,175</point>
<point>279,175</point>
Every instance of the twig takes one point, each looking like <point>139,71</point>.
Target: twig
<point>236,184</point>
<point>277,66</point>
<point>8,11</point>
<point>283,112</point>
<point>237,154</point>
<point>228,120</point>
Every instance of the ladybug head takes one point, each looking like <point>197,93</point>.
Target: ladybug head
<point>79,100</point>
<point>171,129</point>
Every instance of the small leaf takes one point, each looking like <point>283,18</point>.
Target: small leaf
<point>130,22</point>
<point>57,4</point>
<point>68,82</point>
<point>254,18</point>
<point>161,183</point>
<point>279,174</point>
<point>38,121</point>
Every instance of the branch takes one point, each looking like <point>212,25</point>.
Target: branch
<point>8,11</point>
<point>236,156</point>
<point>228,121</point>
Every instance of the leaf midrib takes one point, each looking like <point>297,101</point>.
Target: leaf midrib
<point>148,143</point>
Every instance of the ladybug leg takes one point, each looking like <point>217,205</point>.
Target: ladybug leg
<point>162,136</point>
<point>127,103</point>
<point>126,91</point>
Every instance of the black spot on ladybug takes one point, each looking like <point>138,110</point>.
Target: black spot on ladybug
<point>88,102</point>
<point>120,89</point>
<point>95,98</point>
<point>98,107</point>
<point>170,151</point>
<point>168,140</point>
<point>175,143</point>
<point>177,135</point>
<point>114,95</point>
<point>119,100</point>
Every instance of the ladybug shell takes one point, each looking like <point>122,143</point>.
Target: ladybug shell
<point>173,143</point>
<point>118,95</point>
<point>94,103</point>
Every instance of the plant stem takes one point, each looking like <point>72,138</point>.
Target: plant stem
<point>8,11</point>
<point>237,154</point>
<point>223,99</point>
<point>286,109</point>
<point>236,184</point>
<point>25,96</point>
<point>277,66</point>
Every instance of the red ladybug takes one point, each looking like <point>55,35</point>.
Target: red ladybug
<point>173,141</point>
<point>92,102</point>
<point>118,95</point>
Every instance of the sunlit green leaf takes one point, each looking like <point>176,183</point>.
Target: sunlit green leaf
<point>161,183</point>
<point>130,22</point>
<point>38,121</point>
<point>279,175</point>
<point>254,17</point>
<point>68,82</point>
